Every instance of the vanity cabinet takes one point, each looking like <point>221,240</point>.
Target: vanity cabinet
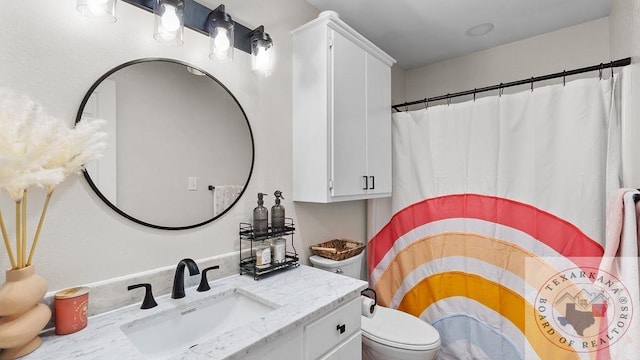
<point>307,322</point>
<point>341,114</point>
<point>348,350</point>
<point>335,336</point>
<point>287,346</point>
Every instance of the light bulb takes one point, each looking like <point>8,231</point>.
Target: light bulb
<point>262,59</point>
<point>100,10</point>
<point>170,20</point>
<point>97,7</point>
<point>166,35</point>
<point>221,41</point>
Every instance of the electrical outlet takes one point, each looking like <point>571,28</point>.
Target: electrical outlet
<point>192,183</point>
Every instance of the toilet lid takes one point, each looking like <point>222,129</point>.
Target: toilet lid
<point>329,263</point>
<point>398,329</point>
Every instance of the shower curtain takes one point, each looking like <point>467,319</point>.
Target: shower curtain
<point>491,199</point>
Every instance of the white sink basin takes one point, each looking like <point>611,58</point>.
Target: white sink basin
<point>177,330</point>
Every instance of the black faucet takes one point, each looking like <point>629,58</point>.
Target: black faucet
<point>178,279</point>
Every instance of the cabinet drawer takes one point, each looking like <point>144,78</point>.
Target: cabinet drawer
<point>327,332</point>
<point>348,350</point>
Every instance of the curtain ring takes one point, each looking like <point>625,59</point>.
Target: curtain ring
<point>500,89</point>
<point>474,94</point>
<point>564,78</point>
<point>601,67</point>
<point>448,100</point>
<point>611,66</point>
<point>426,103</point>
<point>532,84</point>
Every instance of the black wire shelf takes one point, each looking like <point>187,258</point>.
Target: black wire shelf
<point>248,263</point>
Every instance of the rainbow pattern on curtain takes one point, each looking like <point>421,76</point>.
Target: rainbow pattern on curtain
<point>447,260</point>
<point>491,200</point>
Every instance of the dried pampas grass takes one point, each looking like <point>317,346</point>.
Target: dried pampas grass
<point>37,149</point>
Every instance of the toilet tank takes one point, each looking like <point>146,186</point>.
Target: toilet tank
<point>350,267</point>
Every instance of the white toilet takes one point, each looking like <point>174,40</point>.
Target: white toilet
<point>390,334</point>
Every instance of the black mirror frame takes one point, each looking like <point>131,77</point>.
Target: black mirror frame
<point>113,206</point>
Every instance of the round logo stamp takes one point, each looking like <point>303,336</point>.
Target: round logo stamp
<point>583,309</point>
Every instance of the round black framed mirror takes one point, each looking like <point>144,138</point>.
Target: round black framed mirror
<point>180,150</point>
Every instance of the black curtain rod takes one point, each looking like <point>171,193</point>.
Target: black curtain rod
<point>600,67</point>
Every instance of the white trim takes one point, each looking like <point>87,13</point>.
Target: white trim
<point>332,20</point>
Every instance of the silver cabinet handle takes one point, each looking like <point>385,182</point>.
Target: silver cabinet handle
<point>373,182</point>
<point>366,183</point>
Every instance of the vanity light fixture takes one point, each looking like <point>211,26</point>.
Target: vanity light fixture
<point>101,10</point>
<point>169,21</point>
<point>261,56</point>
<point>221,33</point>
<point>171,16</point>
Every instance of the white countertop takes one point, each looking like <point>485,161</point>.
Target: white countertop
<point>302,294</point>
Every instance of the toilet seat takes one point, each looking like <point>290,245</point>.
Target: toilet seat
<point>398,329</point>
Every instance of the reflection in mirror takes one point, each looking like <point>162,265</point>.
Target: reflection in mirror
<point>180,148</point>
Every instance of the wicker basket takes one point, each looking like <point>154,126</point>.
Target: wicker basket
<point>338,249</point>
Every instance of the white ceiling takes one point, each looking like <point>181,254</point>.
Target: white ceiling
<point>420,32</point>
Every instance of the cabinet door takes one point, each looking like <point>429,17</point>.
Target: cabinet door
<point>348,123</point>
<point>348,350</point>
<point>378,126</point>
<point>327,333</point>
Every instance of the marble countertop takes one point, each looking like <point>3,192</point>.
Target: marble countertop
<point>301,295</point>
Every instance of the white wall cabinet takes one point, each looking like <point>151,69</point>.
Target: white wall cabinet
<point>341,114</point>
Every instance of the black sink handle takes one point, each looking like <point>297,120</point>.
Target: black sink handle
<point>148,302</point>
<point>204,283</point>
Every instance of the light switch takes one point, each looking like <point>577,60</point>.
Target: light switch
<point>192,183</point>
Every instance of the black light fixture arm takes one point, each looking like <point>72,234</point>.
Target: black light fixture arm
<point>242,37</point>
<point>218,13</point>
<point>259,34</point>
<point>259,29</point>
<point>196,17</point>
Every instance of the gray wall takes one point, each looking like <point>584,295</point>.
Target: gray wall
<point>54,55</point>
<point>55,58</point>
<point>573,47</point>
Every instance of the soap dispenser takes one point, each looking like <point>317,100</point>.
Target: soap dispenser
<point>260,217</point>
<point>277,213</point>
